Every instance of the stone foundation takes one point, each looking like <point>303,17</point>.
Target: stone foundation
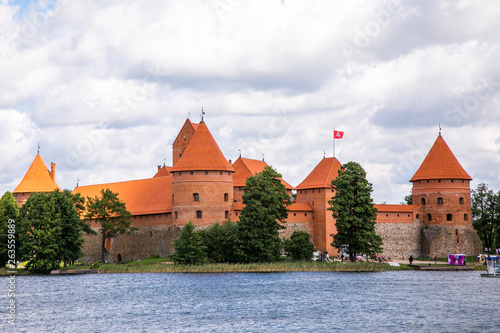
<point>400,239</point>
<point>439,240</point>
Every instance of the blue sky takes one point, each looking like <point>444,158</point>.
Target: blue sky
<point>104,86</point>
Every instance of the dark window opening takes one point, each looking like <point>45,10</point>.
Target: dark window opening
<point>422,201</point>
<point>429,217</point>
<point>198,214</point>
<point>226,197</point>
<point>176,214</point>
<point>449,217</point>
<point>466,217</point>
<point>196,197</point>
<point>226,214</point>
<point>119,258</point>
<point>440,201</point>
<point>461,201</point>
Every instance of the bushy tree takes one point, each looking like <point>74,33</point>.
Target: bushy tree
<point>9,210</point>
<point>299,245</point>
<point>261,218</point>
<point>353,209</point>
<point>39,234</point>
<point>111,213</point>
<point>189,247</point>
<point>221,242</point>
<point>485,207</point>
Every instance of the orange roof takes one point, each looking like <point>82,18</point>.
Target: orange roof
<point>143,196</point>
<point>246,167</point>
<point>37,179</point>
<point>440,163</point>
<point>322,175</point>
<point>202,153</point>
<point>395,208</point>
<point>164,171</point>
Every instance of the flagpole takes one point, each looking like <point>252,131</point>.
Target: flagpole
<point>334,143</point>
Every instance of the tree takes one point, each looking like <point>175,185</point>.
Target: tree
<point>485,207</point>
<point>39,234</point>
<point>111,213</point>
<point>266,202</point>
<point>299,245</point>
<point>353,209</point>
<point>221,242</point>
<point>189,247</point>
<point>9,210</point>
<point>408,199</point>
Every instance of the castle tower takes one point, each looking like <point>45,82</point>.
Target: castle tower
<point>37,179</point>
<point>202,184</point>
<point>316,190</point>
<point>442,189</point>
<point>182,140</point>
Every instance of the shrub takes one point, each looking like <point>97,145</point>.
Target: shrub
<point>299,246</point>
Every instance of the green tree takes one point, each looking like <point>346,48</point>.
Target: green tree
<point>72,228</point>
<point>261,218</point>
<point>299,245</point>
<point>111,213</point>
<point>221,242</point>
<point>189,247</point>
<point>9,210</point>
<point>408,199</point>
<point>353,209</point>
<point>485,207</point>
<point>39,234</point>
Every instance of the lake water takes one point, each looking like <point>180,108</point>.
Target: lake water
<point>408,301</point>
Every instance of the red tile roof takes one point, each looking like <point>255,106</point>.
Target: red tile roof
<point>246,167</point>
<point>440,163</point>
<point>143,196</point>
<point>395,208</point>
<point>322,175</point>
<point>202,153</point>
<point>37,179</point>
<point>164,171</point>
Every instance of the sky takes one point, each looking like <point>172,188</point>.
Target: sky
<point>104,86</point>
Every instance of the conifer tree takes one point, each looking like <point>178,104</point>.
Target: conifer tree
<point>189,247</point>
<point>353,209</point>
<point>9,210</point>
<point>111,213</point>
<point>261,218</point>
<point>485,207</point>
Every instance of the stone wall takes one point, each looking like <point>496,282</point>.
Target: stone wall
<point>439,240</point>
<point>140,244</point>
<point>400,239</point>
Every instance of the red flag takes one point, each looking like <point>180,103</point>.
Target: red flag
<point>338,134</point>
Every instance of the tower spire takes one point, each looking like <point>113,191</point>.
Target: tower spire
<point>439,129</point>
<point>202,114</point>
<point>38,151</point>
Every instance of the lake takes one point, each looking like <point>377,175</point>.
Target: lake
<point>404,301</point>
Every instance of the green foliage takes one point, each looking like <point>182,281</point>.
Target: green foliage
<point>111,213</point>
<point>9,210</point>
<point>353,209</point>
<point>95,265</point>
<point>299,245</point>
<point>50,231</point>
<point>408,199</point>
<point>221,242</point>
<point>485,207</point>
<point>189,247</point>
<point>266,202</point>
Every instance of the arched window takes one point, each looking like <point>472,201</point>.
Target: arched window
<point>461,201</point>
<point>418,216</point>
<point>196,197</point>
<point>119,258</point>
<point>466,217</point>
<point>440,201</point>
<point>422,201</point>
<point>198,214</point>
<point>226,197</point>
<point>176,214</point>
<point>429,217</point>
<point>449,217</point>
<point>226,214</point>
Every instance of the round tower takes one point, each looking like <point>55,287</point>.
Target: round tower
<point>441,188</point>
<point>202,183</point>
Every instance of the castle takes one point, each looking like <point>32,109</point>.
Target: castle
<point>206,188</point>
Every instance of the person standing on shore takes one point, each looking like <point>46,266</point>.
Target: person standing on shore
<point>411,259</point>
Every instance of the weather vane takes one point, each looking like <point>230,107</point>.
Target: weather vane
<point>202,113</point>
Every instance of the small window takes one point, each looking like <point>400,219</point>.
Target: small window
<point>422,201</point>
<point>429,217</point>
<point>418,216</point>
<point>191,172</point>
<point>408,215</point>
<point>226,197</point>
<point>226,214</point>
<point>221,173</point>
<point>305,192</point>
<point>461,201</point>
<point>452,180</point>
<point>305,214</point>
<point>466,217</point>
<point>198,214</point>
<point>398,215</point>
<point>319,191</point>
<point>386,215</point>
<point>457,232</point>
<point>196,197</point>
<point>313,190</point>
<point>294,214</point>
<point>176,214</point>
<point>439,180</point>
<point>237,213</point>
<point>150,234</point>
<point>313,203</point>
<point>440,201</point>
<point>206,172</point>
<point>449,217</point>
<point>173,197</point>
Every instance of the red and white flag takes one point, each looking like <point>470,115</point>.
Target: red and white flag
<point>338,134</point>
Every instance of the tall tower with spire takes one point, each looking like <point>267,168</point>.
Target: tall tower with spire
<point>442,189</point>
<point>202,183</point>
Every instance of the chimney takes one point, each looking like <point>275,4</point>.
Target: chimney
<point>159,167</point>
<point>52,172</point>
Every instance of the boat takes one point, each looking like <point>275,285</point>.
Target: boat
<point>492,267</point>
